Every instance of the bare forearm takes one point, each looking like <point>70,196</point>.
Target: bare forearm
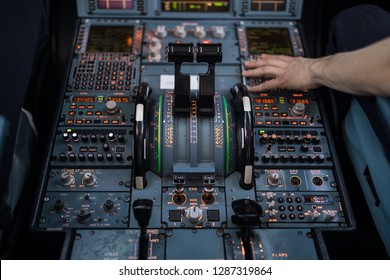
<point>362,72</point>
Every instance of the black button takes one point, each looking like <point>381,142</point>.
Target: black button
<point>290,208</point>
<point>289,199</point>
<point>292,216</point>
<point>175,215</point>
<point>299,208</point>
<point>282,208</point>
<point>298,200</point>
<point>283,216</point>
<point>301,216</point>
<point>213,215</point>
<point>280,199</point>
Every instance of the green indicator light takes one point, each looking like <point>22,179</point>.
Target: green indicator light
<point>227,135</point>
<point>261,132</point>
<point>218,4</point>
<point>282,100</point>
<point>100,98</point>
<point>69,130</point>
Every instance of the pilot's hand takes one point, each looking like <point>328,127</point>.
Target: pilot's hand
<point>287,72</point>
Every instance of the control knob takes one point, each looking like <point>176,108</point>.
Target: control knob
<point>194,214</point>
<point>298,110</point>
<point>273,179</point>
<point>155,44</point>
<point>161,31</point>
<point>66,179</point>
<point>89,179</point>
<point>59,205</point>
<point>200,32</point>
<point>180,31</point>
<point>111,107</point>
<point>109,206</point>
<point>219,32</point>
<point>83,216</point>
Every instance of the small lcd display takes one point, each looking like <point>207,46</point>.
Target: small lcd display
<point>110,39</point>
<point>264,100</point>
<point>268,40</point>
<point>116,4</point>
<point>195,6</point>
<point>83,99</point>
<point>301,100</point>
<point>118,99</point>
<point>268,5</point>
<point>317,199</point>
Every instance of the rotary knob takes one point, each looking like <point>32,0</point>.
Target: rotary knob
<point>66,179</point>
<point>161,31</point>
<point>112,107</point>
<point>59,205</point>
<point>273,179</point>
<point>200,32</point>
<point>180,31</point>
<point>109,206</point>
<point>83,216</point>
<point>89,179</point>
<point>298,110</point>
<point>66,137</point>
<point>194,214</point>
<point>218,32</point>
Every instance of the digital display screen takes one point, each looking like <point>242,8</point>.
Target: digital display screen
<point>110,39</point>
<point>317,199</point>
<point>268,40</point>
<point>264,100</point>
<point>268,5</point>
<point>301,100</point>
<point>118,99</point>
<point>116,4</point>
<point>195,6</point>
<point>83,99</point>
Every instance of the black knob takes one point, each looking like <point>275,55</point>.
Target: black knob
<point>272,139</point>
<point>91,156</point>
<point>72,156</point>
<point>109,157</point>
<point>121,138</point>
<point>75,137</point>
<point>102,137</point>
<point>106,147</point>
<point>69,148</point>
<point>298,140</point>
<point>109,206</point>
<point>320,158</point>
<point>307,138</point>
<point>311,158</point>
<point>315,140</point>
<point>81,157</point>
<point>118,157</point>
<point>58,205</point>
<point>83,215</point>
<point>84,138</point>
<point>289,140</point>
<point>266,158</point>
<point>111,137</point>
<point>63,157</point>
<point>281,140</point>
<point>283,158</point>
<point>66,137</point>
<point>302,158</point>
<point>100,157</point>
<point>93,138</point>
<point>263,138</point>
<point>275,158</point>
<point>304,148</point>
<point>142,209</point>
<point>293,158</point>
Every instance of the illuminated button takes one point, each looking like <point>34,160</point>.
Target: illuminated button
<point>259,123</point>
<point>258,114</point>
<point>79,121</point>
<point>69,121</point>
<point>88,121</point>
<point>266,108</point>
<point>106,122</point>
<point>268,123</point>
<point>72,107</point>
<point>275,114</point>
<point>82,107</point>
<point>303,123</point>
<point>98,113</point>
<point>276,122</point>
<point>257,108</point>
<point>90,107</point>
<point>71,113</point>
<point>275,108</point>
<point>114,121</point>
<point>284,115</point>
<point>294,123</point>
<point>282,100</point>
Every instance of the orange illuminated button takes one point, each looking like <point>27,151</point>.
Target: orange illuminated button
<point>303,123</point>
<point>79,121</point>
<point>72,107</point>
<point>89,113</point>
<point>72,113</point>
<point>275,114</point>
<point>274,108</point>
<point>259,123</point>
<point>88,121</point>
<point>81,106</point>
<point>114,121</point>
<point>268,122</point>
<point>90,107</point>
<point>69,121</point>
<point>284,115</point>
<point>294,123</point>
<point>266,108</point>
<point>106,122</point>
<point>257,108</point>
<point>98,113</point>
<point>258,114</point>
<point>276,122</point>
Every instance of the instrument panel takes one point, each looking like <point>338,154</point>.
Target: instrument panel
<point>158,142</point>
